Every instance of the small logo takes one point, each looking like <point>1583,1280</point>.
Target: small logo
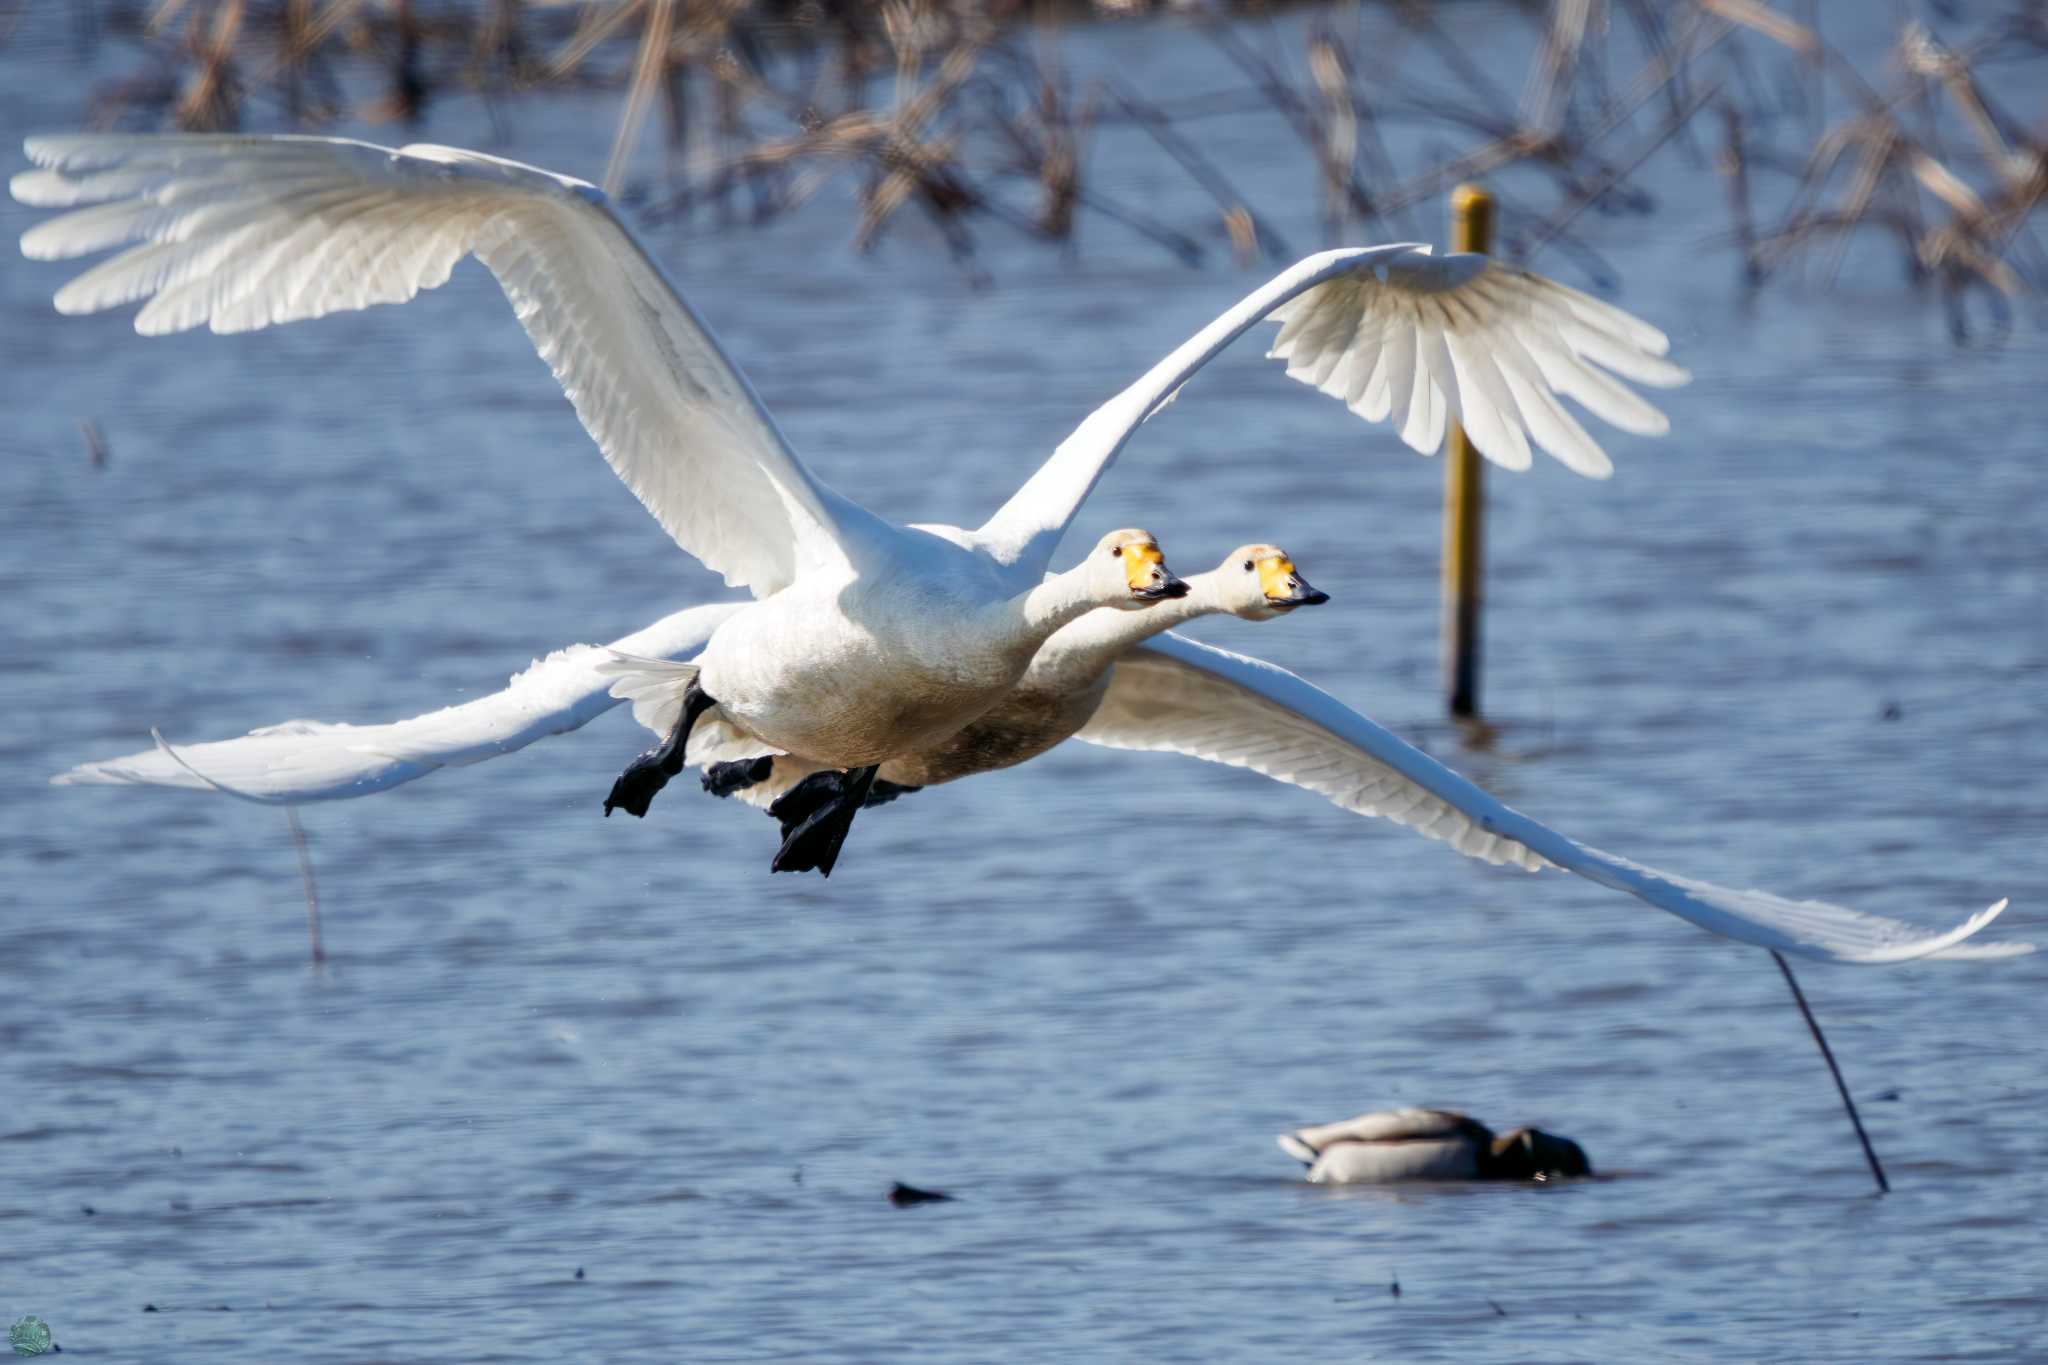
<point>30,1336</point>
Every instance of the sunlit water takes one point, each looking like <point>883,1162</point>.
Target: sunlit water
<point>1082,996</point>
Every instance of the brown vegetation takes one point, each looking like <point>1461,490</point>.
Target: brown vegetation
<point>943,106</point>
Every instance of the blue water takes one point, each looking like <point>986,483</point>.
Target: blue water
<point>546,1041</point>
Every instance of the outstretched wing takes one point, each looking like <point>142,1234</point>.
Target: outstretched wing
<point>1177,695</point>
<point>308,760</point>
<point>240,233</point>
<point>1401,336</point>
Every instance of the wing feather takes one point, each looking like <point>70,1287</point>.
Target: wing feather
<point>1398,334</point>
<point>303,761</point>
<point>239,233</point>
<point>1176,695</point>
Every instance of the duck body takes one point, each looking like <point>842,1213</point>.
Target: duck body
<point>1429,1144</point>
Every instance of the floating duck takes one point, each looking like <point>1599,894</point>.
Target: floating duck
<point>1428,1144</point>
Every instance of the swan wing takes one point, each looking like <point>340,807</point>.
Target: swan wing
<point>1401,336</point>
<point>240,233</point>
<point>1176,695</point>
<point>306,760</point>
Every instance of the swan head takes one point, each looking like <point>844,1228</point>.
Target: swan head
<point>1260,582</point>
<point>1131,570</point>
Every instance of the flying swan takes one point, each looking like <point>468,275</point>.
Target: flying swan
<point>1054,699</point>
<point>1168,693</point>
<point>868,640</point>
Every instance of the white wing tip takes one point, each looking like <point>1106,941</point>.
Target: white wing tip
<point>1296,1148</point>
<point>1956,950</point>
<point>1950,944</point>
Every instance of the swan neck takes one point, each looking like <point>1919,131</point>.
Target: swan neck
<point>1078,653</point>
<point>1053,603</point>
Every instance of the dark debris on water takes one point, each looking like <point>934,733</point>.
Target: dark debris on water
<point>909,1196</point>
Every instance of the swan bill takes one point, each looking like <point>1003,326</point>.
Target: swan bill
<point>1284,586</point>
<point>1162,592</point>
<point>1145,571</point>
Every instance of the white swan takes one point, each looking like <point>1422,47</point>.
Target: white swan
<point>870,638</point>
<point>1168,693</point>
<point>1428,1144</point>
<point>1054,698</point>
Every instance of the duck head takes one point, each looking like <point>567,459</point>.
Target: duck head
<point>1131,570</point>
<point>1260,582</point>
<point>1532,1154</point>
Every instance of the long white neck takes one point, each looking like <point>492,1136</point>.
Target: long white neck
<point>1077,653</point>
<point>1029,619</point>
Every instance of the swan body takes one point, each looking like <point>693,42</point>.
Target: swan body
<point>1428,1144</point>
<point>1057,693</point>
<point>871,638</point>
<point>853,669</point>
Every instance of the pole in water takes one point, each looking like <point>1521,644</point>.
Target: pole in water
<point>1827,1055</point>
<point>1464,501</point>
<point>291,815</point>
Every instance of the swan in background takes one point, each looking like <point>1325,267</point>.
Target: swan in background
<point>1054,698</point>
<point>1168,694</point>
<point>1428,1144</point>
<point>869,639</point>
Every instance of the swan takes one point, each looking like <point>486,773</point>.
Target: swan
<point>859,667</point>
<point>1428,1144</point>
<point>867,638</point>
<point>1167,693</point>
<point>1054,698</point>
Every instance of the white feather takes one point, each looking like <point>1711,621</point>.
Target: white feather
<point>1182,697</point>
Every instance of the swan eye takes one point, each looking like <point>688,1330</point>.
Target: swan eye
<point>1247,566</point>
<point>1116,551</point>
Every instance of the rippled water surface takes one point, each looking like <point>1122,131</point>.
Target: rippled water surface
<point>1084,995</point>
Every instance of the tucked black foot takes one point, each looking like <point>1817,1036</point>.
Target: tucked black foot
<point>813,846</point>
<point>882,793</point>
<point>811,795</point>
<point>650,772</point>
<point>806,798</point>
<point>723,779</point>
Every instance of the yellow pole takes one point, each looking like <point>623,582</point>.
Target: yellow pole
<point>1464,500</point>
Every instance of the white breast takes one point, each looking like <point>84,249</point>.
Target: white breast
<point>850,672</point>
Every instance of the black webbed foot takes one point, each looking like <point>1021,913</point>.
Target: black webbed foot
<point>813,845</point>
<point>723,779</point>
<point>882,793</point>
<point>650,772</point>
<point>806,798</point>
<point>636,786</point>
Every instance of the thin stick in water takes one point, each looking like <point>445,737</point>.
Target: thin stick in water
<point>291,815</point>
<point>1828,1056</point>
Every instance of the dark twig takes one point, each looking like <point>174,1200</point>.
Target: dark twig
<point>291,815</point>
<point>1827,1055</point>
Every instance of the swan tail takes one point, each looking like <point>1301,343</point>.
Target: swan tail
<point>655,687</point>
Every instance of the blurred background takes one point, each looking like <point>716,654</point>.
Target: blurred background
<point>1799,644</point>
